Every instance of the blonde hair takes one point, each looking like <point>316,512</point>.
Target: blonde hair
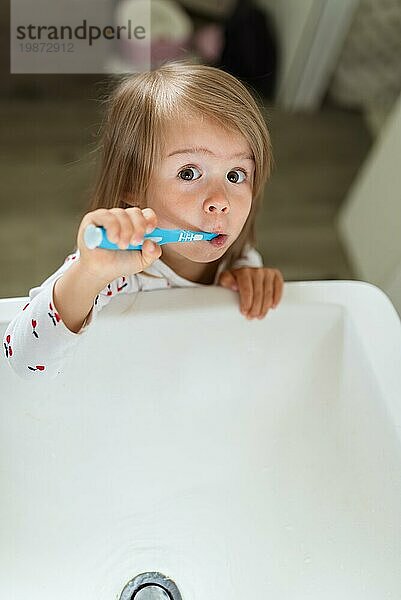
<point>133,136</point>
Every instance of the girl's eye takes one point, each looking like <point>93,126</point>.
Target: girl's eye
<point>187,174</point>
<point>236,176</point>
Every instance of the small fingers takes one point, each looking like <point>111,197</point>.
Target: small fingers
<point>267,294</point>
<point>133,226</point>
<point>144,221</point>
<point>128,226</point>
<point>245,285</point>
<point>278,287</point>
<point>125,226</point>
<point>260,290</point>
<point>150,252</point>
<point>150,218</point>
<point>107,219</point>
<point>227,280</point>
<point>258,280</point>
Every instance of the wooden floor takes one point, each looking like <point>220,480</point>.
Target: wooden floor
<point>48,163</point>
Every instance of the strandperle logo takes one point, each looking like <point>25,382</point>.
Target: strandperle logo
<point>91,33</point>
<point>72,36</point>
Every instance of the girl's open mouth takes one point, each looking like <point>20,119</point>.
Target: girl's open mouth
<point>219,241</point>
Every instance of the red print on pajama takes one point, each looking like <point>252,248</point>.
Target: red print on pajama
<point>124,284</point>
<point>55,317</point>
<point>7,346</point>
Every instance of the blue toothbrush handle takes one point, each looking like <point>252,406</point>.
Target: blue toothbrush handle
<point>96,237</point>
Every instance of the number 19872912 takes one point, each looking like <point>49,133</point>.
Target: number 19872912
<point>47,47</point>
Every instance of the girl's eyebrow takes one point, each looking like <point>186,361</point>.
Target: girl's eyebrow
<point>201,150</point>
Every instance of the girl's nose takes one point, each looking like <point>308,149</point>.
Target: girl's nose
<point>216,202</point>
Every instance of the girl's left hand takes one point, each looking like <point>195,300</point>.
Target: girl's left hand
<point>259,288</point>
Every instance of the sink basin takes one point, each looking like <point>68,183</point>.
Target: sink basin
<point>241,459</point>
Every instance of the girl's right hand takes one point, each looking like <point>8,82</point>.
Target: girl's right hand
<point>123,227</point>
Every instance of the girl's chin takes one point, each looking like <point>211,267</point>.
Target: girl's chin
<point>200,251</point>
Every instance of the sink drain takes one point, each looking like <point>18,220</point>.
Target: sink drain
<point>150,586</point>
<point>151,592</point>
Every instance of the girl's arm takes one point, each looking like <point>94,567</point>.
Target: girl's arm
<point>73,297</point>
<point>38,342</point>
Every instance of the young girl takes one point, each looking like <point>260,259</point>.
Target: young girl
<point>184,147</point>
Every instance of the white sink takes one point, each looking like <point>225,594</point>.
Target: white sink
<point>242,459</point>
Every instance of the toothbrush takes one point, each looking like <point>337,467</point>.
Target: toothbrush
<point>96,237</point>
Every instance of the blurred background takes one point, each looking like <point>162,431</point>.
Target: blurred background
<point>328,73</point>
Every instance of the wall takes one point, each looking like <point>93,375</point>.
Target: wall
<point>311,34</point>
<point>370,221</point>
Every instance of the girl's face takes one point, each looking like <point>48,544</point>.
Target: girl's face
<point>204,183</point>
